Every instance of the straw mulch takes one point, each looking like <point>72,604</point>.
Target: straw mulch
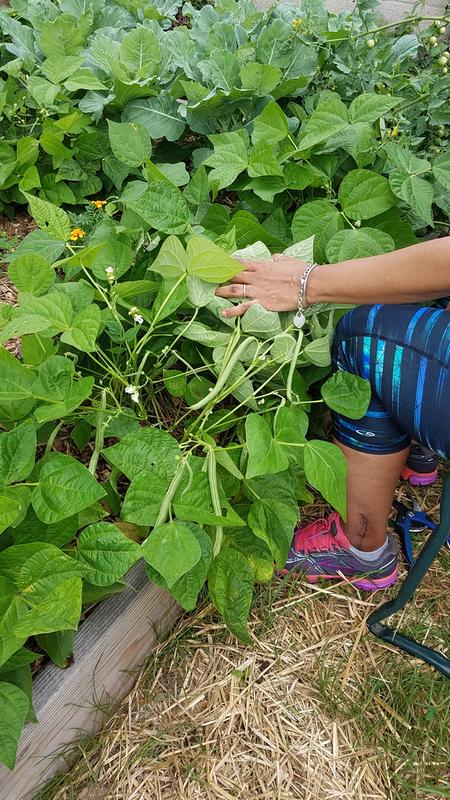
<point>212,719</point>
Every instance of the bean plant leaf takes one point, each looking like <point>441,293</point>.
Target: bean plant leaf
<point>318,218</point>
<point>228,160</point>
<point>32,273</point>
<point>12,608</point>
<point>60,610</point>
<point>14,707</point>
<point>347,394</point>
<point>173,537</point>
<point>326,470</point>
<point>415,191</point>
<point>271,126</point>
<point>329,118</point>
<point>144,498</point>
<point>130,142</point>
<point>230,583</point>
<point>207,261</point>
<point>274,522</point>
<point>17,453</point>
<point>441,170</point>
<point>145,450</point>
<point>65,488</point>
<point>84,329</point>
<point>265,456</point>
<point>50,218</point>
<point>364,194</point>
<point>368,106</point>
<point>358,243</point>
<point>16,396</point>
<point>162,206</point>
<point>106,552</point>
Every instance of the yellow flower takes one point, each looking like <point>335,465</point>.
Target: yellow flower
<point>393,132</point>
<point>98,203</point>
<point>297,23</point>
<point>77,233</point>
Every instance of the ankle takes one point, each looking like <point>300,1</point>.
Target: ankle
<point>362,536</point>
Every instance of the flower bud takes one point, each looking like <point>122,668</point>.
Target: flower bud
<point>371,43</point>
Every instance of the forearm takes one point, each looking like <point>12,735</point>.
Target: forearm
<point>416,273</point>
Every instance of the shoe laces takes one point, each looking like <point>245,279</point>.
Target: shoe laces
<point>322,535</point>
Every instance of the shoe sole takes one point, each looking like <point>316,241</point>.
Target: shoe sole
<point>419,478</point>
<point>368,584</point>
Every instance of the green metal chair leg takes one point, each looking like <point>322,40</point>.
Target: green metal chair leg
<point>421,566</point>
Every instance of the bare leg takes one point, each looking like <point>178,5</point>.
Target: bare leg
<point>371,484</point>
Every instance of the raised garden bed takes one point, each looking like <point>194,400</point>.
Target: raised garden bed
<point>110,646</point>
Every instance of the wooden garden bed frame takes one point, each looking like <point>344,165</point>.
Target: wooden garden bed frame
<point>110,646</point>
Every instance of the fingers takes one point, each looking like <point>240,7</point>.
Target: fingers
<point>243,277</point>
<point>239,310</point>
<point>249,265</point>
<point>235,290</point>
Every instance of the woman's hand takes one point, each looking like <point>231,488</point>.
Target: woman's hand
<point>273,284</point>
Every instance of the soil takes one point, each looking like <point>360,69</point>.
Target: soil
<point>15,230</point>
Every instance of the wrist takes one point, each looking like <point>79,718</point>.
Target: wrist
<point>315,290</point>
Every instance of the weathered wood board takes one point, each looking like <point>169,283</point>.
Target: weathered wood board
<point>110,646</point>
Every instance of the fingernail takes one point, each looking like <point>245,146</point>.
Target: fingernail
<point>224,313</point>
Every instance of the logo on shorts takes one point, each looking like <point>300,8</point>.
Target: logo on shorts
<point>366,433</point>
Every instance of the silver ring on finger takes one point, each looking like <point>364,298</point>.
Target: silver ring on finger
<point>244,290</point>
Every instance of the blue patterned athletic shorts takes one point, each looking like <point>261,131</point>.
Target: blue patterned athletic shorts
<point>404,351</point>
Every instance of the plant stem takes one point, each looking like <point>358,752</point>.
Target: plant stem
<point>99,434</point>
<point>175,482</point>
<point>214,489</point>
<point>52,437</point>
<point>292,366</point>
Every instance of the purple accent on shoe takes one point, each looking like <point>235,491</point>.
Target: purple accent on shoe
<point>422,480</point>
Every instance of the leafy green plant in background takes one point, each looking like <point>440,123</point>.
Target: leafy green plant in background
<point>139,423</point>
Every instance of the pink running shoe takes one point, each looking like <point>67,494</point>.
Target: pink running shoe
<point>321,550</point>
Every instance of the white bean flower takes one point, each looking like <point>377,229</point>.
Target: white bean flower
<point>137,317</point>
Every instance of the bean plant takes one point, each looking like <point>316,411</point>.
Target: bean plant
<point>153,146</point>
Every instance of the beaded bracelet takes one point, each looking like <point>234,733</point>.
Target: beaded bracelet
<point>299,319</point>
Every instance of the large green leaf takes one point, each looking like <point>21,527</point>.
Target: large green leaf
<point>193,502</point>
<point>318,218</point>
<point>58,645</point>
<point>347,394</point>
<point>50,218</point>
<point>12,608</point>
<point>47,315</point>
<point>16,396</point>
<point>271,126</point>
<point>272,44</point>
<point>329,118</point>
<point>264,454</point>
<point>326,470</point>
<point>415,191</point>
<point>14,707</point>
<point>37,569</point>
<point>59,611</point>
<point>209,262</point>
<point>140,52</point>
<point>221,70</point>
<point>163,207</point>
<point>171,259</point>
<point>106,552</point>
<point>173,550</point>
<point>358,243</point>
<point>263,161</point>
<point>230,583</point>
<point>364,194</point>
<point>186,589</point>
<point>14,501</point>
<point>260,79</point>
<point>158,114</point>
<point>368,106</point>
<point>84,329</point>
<point>144,498</point>
<point>274,522</point>
<point>290,427</point>
<point>197,332</point>
<point>61,37</point>
<point>228,160</point>
<point>441,170</point>
<point>17,452</point>
<point>65,488</point>
<point>145,450</point>
<point>405,160</point>
<point>32,273</point>
<point>130,142</point>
